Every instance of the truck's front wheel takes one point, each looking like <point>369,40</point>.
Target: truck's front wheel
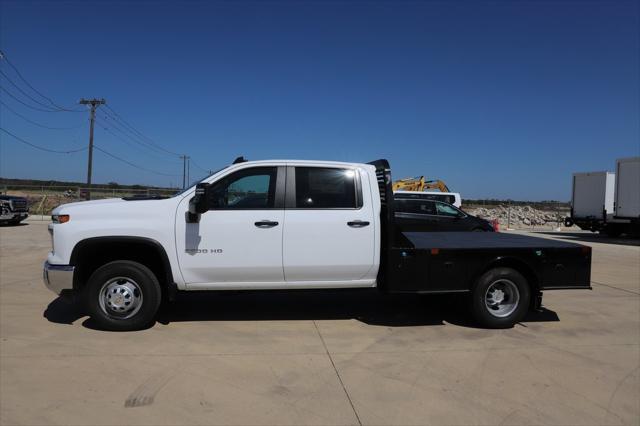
<point>500,298</point>
<point>123,295</point>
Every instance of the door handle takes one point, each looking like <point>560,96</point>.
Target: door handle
<point>266,224</point>
<point>358,223</point>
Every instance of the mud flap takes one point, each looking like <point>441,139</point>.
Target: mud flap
<point>536,301</point>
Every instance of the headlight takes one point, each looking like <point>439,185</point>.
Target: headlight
<point>60,218</point>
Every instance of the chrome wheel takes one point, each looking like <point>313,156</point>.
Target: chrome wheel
<point>120,297</point>
<point>502,298</point>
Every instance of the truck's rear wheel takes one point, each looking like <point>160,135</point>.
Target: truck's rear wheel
<point>123,295</point>
<point>500,298</point>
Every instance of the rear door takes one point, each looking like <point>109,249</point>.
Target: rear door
<point>329,230</point>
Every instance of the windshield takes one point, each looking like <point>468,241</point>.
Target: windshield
<point>197,182</point>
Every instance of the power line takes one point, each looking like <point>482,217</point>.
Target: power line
<point>132,164</point>
<point>24,80</point>
<point>35,123</point>
<point>126,133</point>
<point>199,167</point>
<point>106,129</point>
<point>117,119</point>
<point>40,147</point>
<point>151,141</point>
<point>26,94</point>
<point>26,104</point>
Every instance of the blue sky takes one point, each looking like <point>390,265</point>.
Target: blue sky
<point>502,99</point>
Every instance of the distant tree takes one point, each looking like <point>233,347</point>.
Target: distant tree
<point>113,184</point>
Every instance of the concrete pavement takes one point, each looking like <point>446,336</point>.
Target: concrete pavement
<point>320,358</point>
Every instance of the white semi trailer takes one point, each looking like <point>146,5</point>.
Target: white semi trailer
<point>626,218</point>
<point>608,202</point>
<point>592,200</point>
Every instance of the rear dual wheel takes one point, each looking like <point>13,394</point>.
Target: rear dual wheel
<point>123,296</point>
<point>500,298</point>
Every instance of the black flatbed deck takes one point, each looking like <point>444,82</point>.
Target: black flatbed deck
<point>452,261</point>
<point>482,240</point>
<point>441,262</point>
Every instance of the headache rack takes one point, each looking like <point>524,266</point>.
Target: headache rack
<point>387,218</point>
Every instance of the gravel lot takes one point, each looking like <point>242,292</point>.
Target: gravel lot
<point>321,358</point>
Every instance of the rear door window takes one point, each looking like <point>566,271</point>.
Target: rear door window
<point>415,206</point>
<point>326,188</point>
<point>435,197</point>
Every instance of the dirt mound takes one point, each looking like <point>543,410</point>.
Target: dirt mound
<point>520,216</point>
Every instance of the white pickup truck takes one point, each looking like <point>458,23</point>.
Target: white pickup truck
<point>265,225</point>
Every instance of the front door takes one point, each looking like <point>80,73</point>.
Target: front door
<point>239,241</point>
<point>450,218</point>
<point>329,229</point>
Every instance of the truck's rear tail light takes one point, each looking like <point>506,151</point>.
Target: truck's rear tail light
<point>586,250</point>
<point>60,218</point>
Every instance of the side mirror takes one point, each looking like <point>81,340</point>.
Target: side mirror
<point>200,203</point>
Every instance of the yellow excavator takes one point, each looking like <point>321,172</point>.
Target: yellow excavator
<point>419,184</point>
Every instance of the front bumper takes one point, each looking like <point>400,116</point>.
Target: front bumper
<point>58,277</point>
<point>13,215</point>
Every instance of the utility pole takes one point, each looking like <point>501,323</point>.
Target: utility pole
<point>94,104</point>
<point>185,159</point>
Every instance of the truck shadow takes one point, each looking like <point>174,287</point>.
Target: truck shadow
<point>369,307</point>
<point>63,311</point>
<point>591,237</point>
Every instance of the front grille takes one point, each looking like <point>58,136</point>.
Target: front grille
<point>19,205</point>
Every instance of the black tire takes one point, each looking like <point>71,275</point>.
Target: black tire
<point>510,282</point>
<point>122,276</point>
<point>568,222</point>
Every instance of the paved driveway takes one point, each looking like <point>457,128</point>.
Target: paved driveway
<point>320,358</point>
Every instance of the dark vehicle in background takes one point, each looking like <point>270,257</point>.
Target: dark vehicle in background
<point>13,210</point>
<point>422,214</point>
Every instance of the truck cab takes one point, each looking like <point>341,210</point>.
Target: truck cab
<point>309,224</point>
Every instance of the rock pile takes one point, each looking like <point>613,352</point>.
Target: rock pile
<point>521,216</point>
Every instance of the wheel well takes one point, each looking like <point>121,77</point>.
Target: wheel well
<point>90,254</point>
<point>520,266</point>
